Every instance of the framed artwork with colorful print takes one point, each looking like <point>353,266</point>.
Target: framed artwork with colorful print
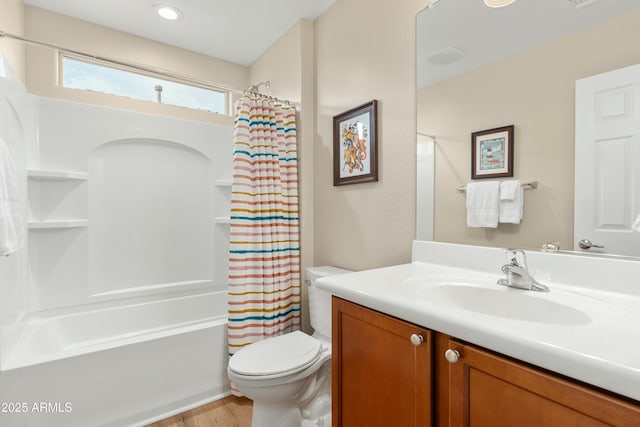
<point>355,145</point>
<point>492,153</point>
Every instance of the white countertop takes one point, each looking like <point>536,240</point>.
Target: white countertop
<point>588,333</point>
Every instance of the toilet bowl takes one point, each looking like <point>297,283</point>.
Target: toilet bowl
<point>288,377</point>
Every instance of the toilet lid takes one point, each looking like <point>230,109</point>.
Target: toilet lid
<point>287,353</point>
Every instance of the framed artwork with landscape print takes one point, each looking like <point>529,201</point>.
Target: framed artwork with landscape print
<point>355,145</point>
<point>492,153</point>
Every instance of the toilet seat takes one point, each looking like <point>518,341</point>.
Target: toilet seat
<point>276,357</point>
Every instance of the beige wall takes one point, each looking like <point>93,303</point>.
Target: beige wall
<point>289,66</point>
<point>42,72</point>
<point>281,64</point>
<point>535,92</point>
<point>12,21</point>
<point>366,50</point>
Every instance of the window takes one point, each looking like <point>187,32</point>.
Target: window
<point>78,74</point>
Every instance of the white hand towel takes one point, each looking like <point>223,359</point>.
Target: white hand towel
<point>11,224</point>
<point>483,200</point>
<point>511,202</point>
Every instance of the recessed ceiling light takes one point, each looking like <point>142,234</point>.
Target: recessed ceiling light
<point>167,12</point>
<point>580,3</point>
<point>498,3</point>
<point>448,55</point>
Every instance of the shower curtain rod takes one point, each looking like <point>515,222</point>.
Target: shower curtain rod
<point>146,69</point>
<point>427,135</point>
<point>255,90</point>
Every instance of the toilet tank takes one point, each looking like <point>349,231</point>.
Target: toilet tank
<point>320,300</point>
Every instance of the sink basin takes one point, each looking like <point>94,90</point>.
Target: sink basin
<point>507,303</point>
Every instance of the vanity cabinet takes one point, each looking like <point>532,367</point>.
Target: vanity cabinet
<point>381,379</point>
<point>486,389</point>
<point>381,369</point>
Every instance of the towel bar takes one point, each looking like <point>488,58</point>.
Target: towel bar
<point>526,185</point>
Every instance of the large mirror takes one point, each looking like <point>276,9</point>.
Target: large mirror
<point>481,68</point>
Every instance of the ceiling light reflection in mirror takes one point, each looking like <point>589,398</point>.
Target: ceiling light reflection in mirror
<point>483,35</point>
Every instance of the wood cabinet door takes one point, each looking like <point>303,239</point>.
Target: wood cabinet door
<point>488,390</point>
<point>379,377</point>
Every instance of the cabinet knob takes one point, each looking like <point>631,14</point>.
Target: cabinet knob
<point>417,339</point>
<point>452,355</point>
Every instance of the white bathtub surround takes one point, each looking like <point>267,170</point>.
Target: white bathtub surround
<point>636,225</point>
<point>264,245</point>
<point>132,188</point>
<point>11,222</point>
<point>117,305</point>
<point>585,327</point>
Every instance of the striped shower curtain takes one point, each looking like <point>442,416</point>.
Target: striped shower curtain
<point>264,250</point>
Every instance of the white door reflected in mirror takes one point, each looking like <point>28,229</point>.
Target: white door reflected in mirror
<point>607,150</point>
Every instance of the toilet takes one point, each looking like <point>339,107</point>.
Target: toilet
<point>288,377</point>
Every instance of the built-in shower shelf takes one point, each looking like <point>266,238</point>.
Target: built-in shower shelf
<point>56,175</point>
<point>222,182</point>
<point>222,220</point>
<point>69,223</point>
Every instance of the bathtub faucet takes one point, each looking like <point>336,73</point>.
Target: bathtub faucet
<point>517,274</point>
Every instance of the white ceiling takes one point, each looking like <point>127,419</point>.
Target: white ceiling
<point>240,31</point>
<point>485,35</point>
<point>235,30</point>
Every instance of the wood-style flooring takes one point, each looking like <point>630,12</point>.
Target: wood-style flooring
<point>229,412</point>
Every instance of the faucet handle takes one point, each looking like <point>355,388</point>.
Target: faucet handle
<point>516,257</point>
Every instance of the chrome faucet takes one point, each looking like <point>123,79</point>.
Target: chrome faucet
<point>517,274</point>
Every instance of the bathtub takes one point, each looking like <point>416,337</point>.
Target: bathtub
<point>102,321</point>
<point>119,365</point>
